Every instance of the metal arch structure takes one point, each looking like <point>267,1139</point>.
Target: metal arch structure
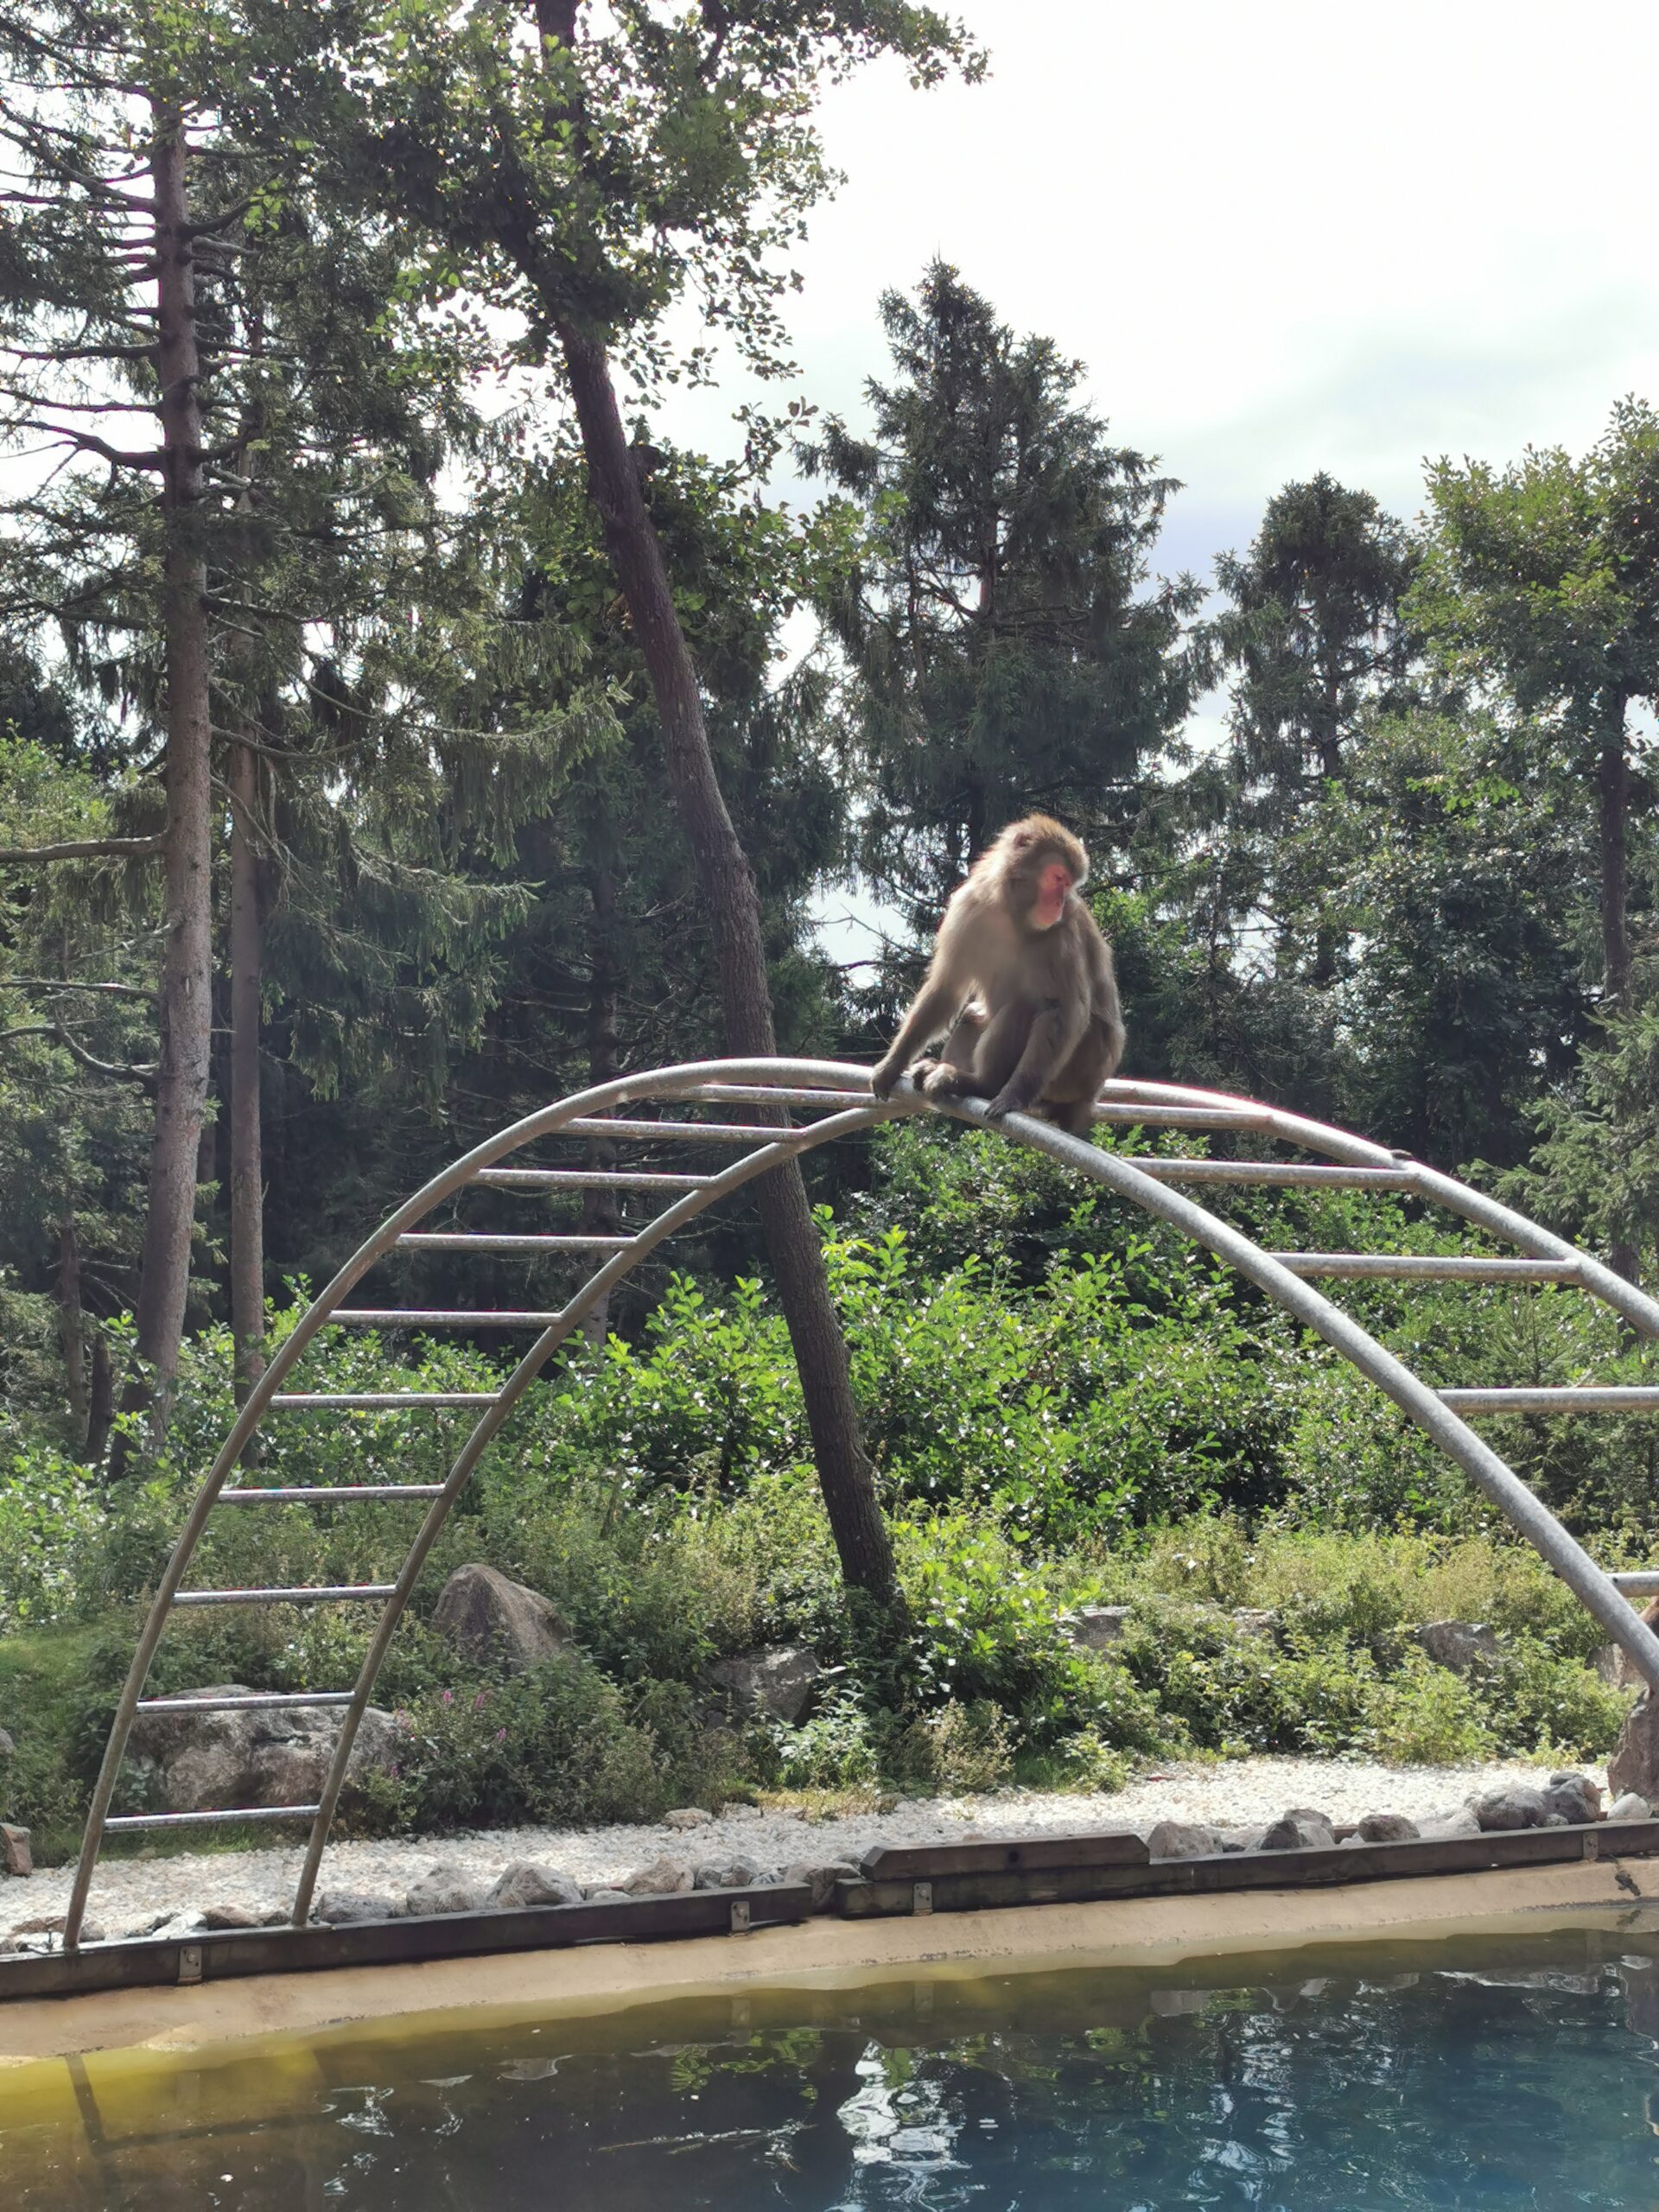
<point>841,1097</point>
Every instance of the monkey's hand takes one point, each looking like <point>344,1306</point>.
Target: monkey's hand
<point>1007,1101</point>
<point>886,1072</point>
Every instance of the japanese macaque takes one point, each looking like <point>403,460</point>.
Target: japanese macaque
<point>1022,980</point>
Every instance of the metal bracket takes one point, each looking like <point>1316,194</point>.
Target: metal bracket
<point>190,1962</point>
<point>739,1916</point>
<point>921,1896</point>
<point>1591,1845</point>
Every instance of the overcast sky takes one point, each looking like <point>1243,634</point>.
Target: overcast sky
<point>1282,236</point>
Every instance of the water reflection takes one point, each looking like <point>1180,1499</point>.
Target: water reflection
<point>1485,2076</point>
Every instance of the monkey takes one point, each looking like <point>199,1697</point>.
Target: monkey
<point>1022,979</point>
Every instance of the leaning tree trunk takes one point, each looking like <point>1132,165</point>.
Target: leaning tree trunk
<point>247,1173</point>
<point>186,970</point>
<point>71,1329</point>
<point>1613,795</point>
<point>734,909</point>
<point>600,1215</point>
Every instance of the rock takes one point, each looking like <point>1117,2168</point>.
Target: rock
<point>1634,1763</point>
<point>1630,1807</point>
<point>196,1762</point>
<point>1556,1821</point>
<point>609,1896</point>
<point>14,1854</point>
<point>1301,1829</point>
<point>338,1907</point>
<point>495,1622</point>
<point>241,1916</point>
<point>1242,1839</point>
<point>663,1878</point>
<point>1184,1840</point>
<point>1259,1622</point>
<point>736,1873</point>
<point>524,1884</point>
<point>8,1749</point>
<point>774,1684</point>
<point>687,1816</point>
<point>820,1880</point>
<point>1097,1628</point>
<point>1385,1828</point>
<point>1445,1827</point>
<point>1575,1797</point>
<point>1457,1644</point>
<point>52,1923</point>
<point>441,1890</point>
<point>1517,1807</point>
<point>1613,1662</point>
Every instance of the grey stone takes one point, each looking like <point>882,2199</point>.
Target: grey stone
<point>735,1873</point>
<point>241,1916</point>
<point>494,1621</point>
<point>8,1749</point>
<point>1384,1827</point>
<point>337,1908</point>
<point>1634,1763</point>
<point>820,1880</point>
<point>1613,1662</point>
<point>1301,1829</point>
<point>1457,1644</point>
<point>1445,1827</point>
<point>663,1878</point>
<point>1575,1797</point>
<point>774,1684</point>
<point>194,1762</point>
<point>441,1890</point>
<point>1556,1821</point>
<point>1097,1628</point>
<point>1242,1839</point>
<point>687,1816</point>
<point>1184,1840</point>
<point>1517,1806</point>
<point>14,1854</point>
<point>524,1884</point>
<point>609,1896</point>
<point>1630,1807</point>
<point>52,1923</point>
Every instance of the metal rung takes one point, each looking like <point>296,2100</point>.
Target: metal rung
<point>329,1494</point>
<point>676,1132</point>
<point>1434,1268</point>
<point>1638,1582</point>
<point>414,1317</point>
<point>1587,1399</point>
<point>587,1179</point>
<point>375,1401</point>
<point>1179,1117</point>
<point>307,1594</point>
<point>1271,1171</point>
<point>482,1240</point>
<point>253,1700</point>
<point>211,1820</point>
<point>751,1094</point>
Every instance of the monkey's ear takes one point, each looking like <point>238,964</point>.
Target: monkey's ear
<point>1021,840</point>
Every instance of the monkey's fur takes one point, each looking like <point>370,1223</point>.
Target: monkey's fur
<point>1022,978</point>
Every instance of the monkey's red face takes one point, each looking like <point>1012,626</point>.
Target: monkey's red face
<point>1053,885</point>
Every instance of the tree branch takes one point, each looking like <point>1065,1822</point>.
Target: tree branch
<point>89,848</point>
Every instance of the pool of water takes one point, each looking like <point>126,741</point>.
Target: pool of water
<point>1491,2073</point>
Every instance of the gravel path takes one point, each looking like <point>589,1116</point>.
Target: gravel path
<point>129,1895</point>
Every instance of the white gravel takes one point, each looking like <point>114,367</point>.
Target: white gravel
<point>129,1894</point>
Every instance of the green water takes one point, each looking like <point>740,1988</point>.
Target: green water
<point>1477,2076</point>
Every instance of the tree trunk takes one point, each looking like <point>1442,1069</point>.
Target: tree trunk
<point>601,1213</point>
<point>100,1406</point>
<point>734,909</point>
<point>247,1173</point>
<point>71,1329</point>
<point>186,971</point>
<point>1613,787</point>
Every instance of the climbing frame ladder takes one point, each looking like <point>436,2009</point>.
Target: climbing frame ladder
<point>838,1098</point>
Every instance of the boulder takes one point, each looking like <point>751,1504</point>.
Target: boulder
<point>1517,1806</point>
<point>52,1923</point>
<point>1259,1622</point>
<point>1184,1840</point>
<point>687,1816</point>
<point>1575,1797</point>
<point>1301,1829</point>
<point>8,1749</point>
<point>493,1621</point>
<point>609,1896</point>
<point>1634,1763</point>
<point>1097,1628</point>
<point>524,1884</point>
<point>663,1878</point>
<point>199,1762</point>
<point>338,1907</point>
<point>1457,1644</point>
<point>1242,1839</point>
<point>1384,1827</point>
<point>442,1890</point>
<point>14,1854</point>
<point>1630,1807</point>
<point>735,1873</point>
<point>241,1916</point>
<point>776,1684</point>
<point>820,1880</point>
<point>1446,1828</point>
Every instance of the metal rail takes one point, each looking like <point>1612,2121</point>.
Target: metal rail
<point>770,1086</point>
